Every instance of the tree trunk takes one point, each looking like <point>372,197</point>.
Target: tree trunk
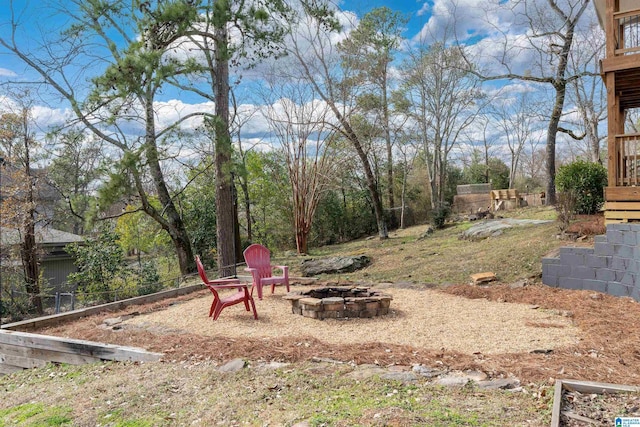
<point>387,136</point>
<point>172,223</point>
<point>28,250</point>
<point>552,132</point>
<point>560,85</point>
<point>247,207</point>
<point>371,182</point>
<point>225,223</point>
<point>236,228</point>
<point>29,257</point>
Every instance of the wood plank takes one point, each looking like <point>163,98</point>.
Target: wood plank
<point>584,387</point>
<point>619,63</point>
<point>8,369</point>
<point>77,347</point>
<point>622,214</point>
<point>591,387</point>
<point>622,194</point>
<point>557,404</point>
<point>622,206</point>
<point>483,277</point>
<point>48,355</point>
<point>580,418</point>
<point>23,362</point>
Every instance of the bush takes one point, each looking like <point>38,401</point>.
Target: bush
<point>148,278</point>
<point>586,181</point>
<point>440,214</point>
<point>565,207</point>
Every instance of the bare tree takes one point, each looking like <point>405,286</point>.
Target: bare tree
<point>444,98</point>
<point>369,51</point>
<point>312,47</point>
<point>589,93</point>
<point>516,117</point>
<point>17,146</point>
<point>301,124</point>
<point>552,25</point>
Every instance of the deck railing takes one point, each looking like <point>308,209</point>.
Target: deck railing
<point>627,33</point>
<point>627,160</point>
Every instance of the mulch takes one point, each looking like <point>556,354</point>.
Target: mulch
<point>608,349</point>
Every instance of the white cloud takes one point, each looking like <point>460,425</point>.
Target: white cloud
<point>7,73</point>
<point>45,117</point>
<point>424,10</point>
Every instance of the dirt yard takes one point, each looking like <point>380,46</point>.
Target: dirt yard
<point>533,332</point>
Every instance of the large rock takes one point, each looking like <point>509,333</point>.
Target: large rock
<point>334,265</point>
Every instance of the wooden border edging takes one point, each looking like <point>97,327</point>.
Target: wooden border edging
<point>23,350</point>
<point>583,387</point>
<point>54,319</point>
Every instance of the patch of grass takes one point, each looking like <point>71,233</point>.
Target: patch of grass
<point>165,394</point>
<point>118,418</point>
<point>443,257</point>
<point>35,414</point>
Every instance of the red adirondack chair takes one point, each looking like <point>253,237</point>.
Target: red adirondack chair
<point>258,259</point>
<point>242,294</point>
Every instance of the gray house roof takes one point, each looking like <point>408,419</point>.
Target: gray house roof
<point>45,236</point>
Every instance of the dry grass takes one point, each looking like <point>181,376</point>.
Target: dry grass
<point>583,335</point>
<point>443,258</point>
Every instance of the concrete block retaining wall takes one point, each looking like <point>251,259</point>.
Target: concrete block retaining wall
<point>612,266</point>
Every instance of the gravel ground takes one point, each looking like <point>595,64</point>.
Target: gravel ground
<point>419,317</point>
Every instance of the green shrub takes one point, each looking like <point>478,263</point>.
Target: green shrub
<point>440,214</point>
<point>586,181</point>
<point>148,278</point>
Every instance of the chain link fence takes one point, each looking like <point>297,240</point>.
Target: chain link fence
<point>16,304</point>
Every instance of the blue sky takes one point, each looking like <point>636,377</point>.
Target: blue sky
<point>36,23</point>
<point>475,24</point>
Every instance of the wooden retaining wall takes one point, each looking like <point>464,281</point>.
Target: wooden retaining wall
<point>23,350</point>
<point>54,319</point>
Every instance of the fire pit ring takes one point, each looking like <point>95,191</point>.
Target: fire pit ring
<point>340,302</point>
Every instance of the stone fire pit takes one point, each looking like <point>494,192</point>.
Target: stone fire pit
<point>339,302</point>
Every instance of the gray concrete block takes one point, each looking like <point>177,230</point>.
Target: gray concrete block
<point>598,261</point>
<point>628,279</point>
<point>594,285</point>
<point>619,275</point>
<point>630,238</point>
<point>635,293</point>
<point>600,238</point>
<point>570,283</point>
<point>573,258</point>
<point>604,249</point>
<point>559,270</point>
<point>618,289</point>
<point>582,250</point>
<point>546,261</point>
<point>624,251</point>
<point>583,272</point>
<point>618,227</point>
<point>606,275</point>
<point>615,237</point>
<point>550,280</point>
<point>620,264</point>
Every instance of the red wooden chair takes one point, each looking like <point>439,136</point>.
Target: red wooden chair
<point>242,294</point>
<point>258,259</point>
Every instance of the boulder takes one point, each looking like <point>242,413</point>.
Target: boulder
<point>334,265</point>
